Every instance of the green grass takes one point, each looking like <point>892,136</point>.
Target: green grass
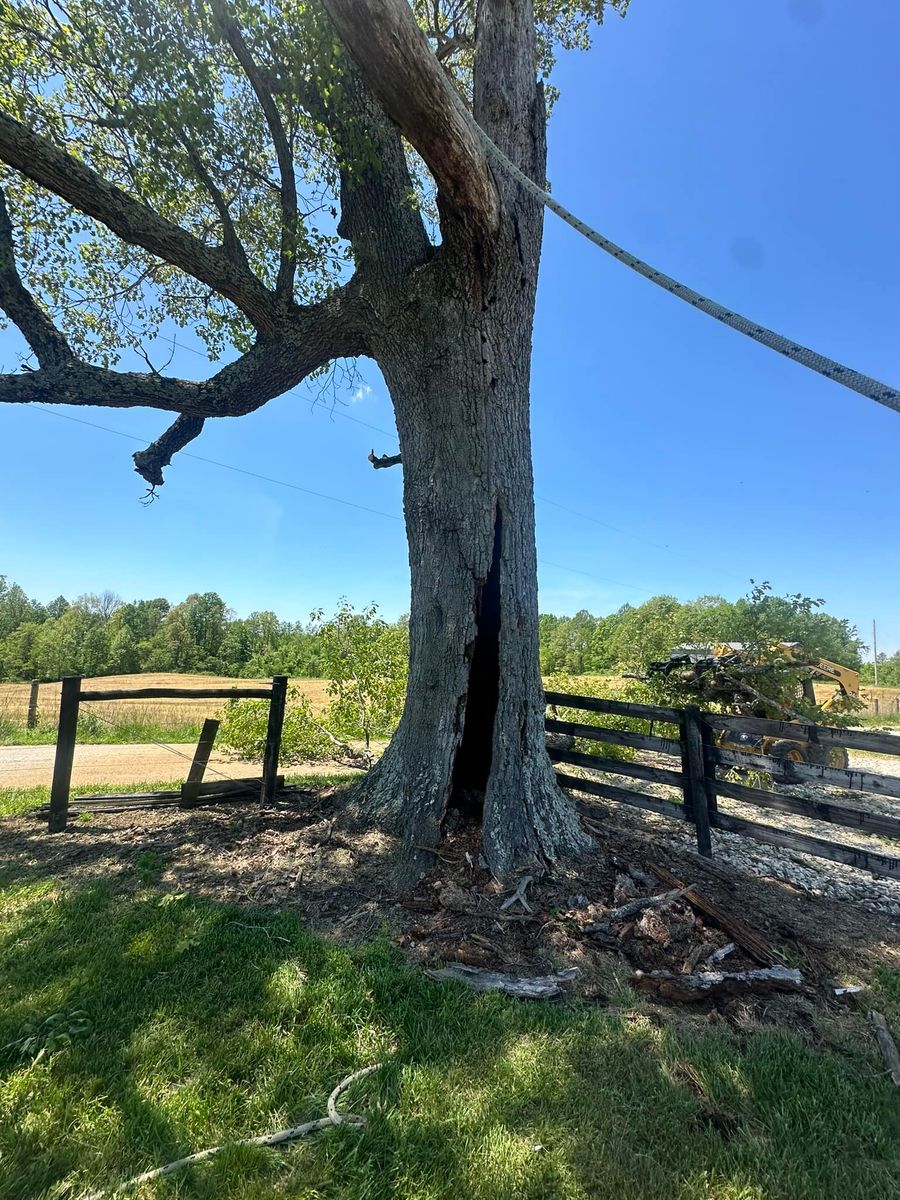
<point>14,801</point>
<point>175,1027</point>
<point>879,721</point>
<point>94,732</point>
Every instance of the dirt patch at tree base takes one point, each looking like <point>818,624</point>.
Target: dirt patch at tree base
<point>307,854</point>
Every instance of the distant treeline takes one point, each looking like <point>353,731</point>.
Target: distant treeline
<point>632,637</point>
<point>104,635</point>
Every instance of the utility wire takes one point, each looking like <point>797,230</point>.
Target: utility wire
<point>352,504</point>
<point>215,463</point>
<point>320,495</point>
<point>627,533</point>
<point>162,745</point>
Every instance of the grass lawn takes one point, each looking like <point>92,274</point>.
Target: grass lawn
<point>93,732</point>
<point>194,1022</point>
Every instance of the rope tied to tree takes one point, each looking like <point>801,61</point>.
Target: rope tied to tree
<point>881,393</point>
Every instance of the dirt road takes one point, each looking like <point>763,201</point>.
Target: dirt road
<point>29,766</point>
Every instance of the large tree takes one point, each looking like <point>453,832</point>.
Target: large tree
<point>265,171</point>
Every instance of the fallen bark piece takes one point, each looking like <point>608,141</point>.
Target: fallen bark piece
<point>536,987</point>
<point>887,1046</point>
<point>710,984</point>
<point>745,937</point>
<point>631,909</point>
<point>718,955</point>
<point>847,993</point>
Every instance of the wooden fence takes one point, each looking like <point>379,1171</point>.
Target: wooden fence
<point>73,695</point>
<point>691,737</point>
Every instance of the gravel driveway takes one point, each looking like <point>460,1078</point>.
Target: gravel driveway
<point>30,766</point>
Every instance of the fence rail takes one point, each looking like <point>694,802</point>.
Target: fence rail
<point>72,696</point>
<point>702,757</point>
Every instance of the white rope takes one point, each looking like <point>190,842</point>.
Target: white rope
<point>864,384</point>
<point>265,1139</point>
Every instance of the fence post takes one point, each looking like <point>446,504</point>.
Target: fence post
<point>31,716</point>
<point>191,789</point>
<point>65,753</point>
<point>273,738</point>
<point>693,767</point>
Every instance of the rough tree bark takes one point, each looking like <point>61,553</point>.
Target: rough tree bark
<point>450,328</point>
<point>457,364</point>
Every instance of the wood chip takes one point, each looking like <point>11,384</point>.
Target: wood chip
<point>718,955</point>
<point>746,938</point>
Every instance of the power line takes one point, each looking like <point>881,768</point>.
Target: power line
<point>307,491</point>
<point>600,578</point>
<point>542,499</point>
<point>225,466</point>
<point>638,537</point>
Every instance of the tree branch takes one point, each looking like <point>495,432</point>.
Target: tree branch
<point>380,461</point>
<point>150,462</point>
<point>231,243</point>
<point>136,223</point>
<point>48,344</point>
<point>385,230</point>
<point>317,334</point>
<point>289,213</point>
<point>397,63</point>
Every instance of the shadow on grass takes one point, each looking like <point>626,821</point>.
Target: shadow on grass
<point>210,1022</point>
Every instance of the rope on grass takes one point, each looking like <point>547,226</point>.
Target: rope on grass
<point>265,1139</point>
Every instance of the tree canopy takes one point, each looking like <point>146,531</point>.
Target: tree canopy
<point>217,164</point>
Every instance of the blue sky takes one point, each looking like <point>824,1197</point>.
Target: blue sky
<point>751,152</point>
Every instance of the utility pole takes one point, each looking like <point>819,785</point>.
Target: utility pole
<point>875,650</point>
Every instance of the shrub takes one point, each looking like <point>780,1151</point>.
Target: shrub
<point>586,685</point>
<point>366,661</point>
<point>304,739</point>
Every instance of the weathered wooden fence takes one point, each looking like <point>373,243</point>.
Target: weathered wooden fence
<point>73,695</point>
<point>691,737</point>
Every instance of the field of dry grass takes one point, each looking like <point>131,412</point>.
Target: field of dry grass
<point>162,713</point>
<point>14,698</point>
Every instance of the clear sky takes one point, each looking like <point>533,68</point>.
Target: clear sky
<point>751,151</point>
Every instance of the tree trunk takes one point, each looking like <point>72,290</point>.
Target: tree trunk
<point>472,732</point>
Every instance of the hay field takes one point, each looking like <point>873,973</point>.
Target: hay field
<point>14,698</point>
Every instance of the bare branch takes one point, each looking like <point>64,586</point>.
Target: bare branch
<point>48,344</point>
<point>397,63</point>
<point>232,34</point>
<point>136,223</point>
<point>150,462</point>
<point>384,460</point>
